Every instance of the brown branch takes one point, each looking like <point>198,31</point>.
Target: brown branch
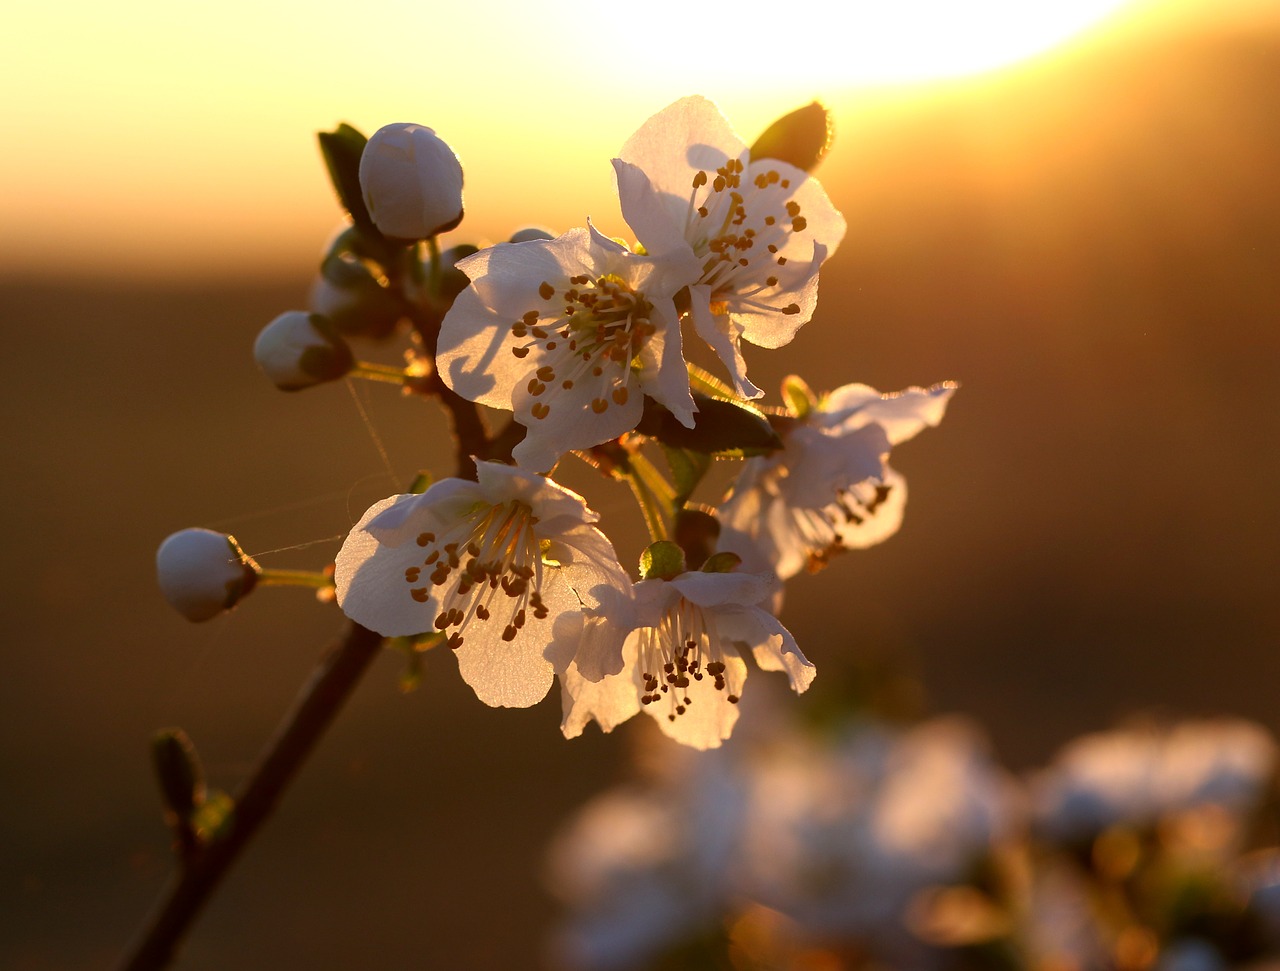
<point>329,686</point>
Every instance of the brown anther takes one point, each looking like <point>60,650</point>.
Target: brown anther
<point>420,594</point>
<point>520,351</point>
<point>620,395</point>
<point>425,538</point>
<point>798,224</point>
<point>791,309</point>
<point>536,387</point>
<point>509,633</point>
<point>540,410</point>
<point>546,291</point>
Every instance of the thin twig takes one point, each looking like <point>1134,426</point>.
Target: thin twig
<point>329,686</point>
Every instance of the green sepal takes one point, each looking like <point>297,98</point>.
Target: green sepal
<point>663,560</point>
<point>178,770</point>
<point>687,469</point>
<point>413,647</point>
<point>798,395</point>
<point>450,281</point>
<point>722,427</point>
<point>332,359</point>
<point>801,137</point>
<point>421,483</point>
<point>342,149</point>
<point>722,562</point>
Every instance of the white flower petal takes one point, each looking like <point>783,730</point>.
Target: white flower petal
<point>771,644</point>
<point>902,414</point>
<point>722,334</point>
<point>369,574</point>
<point>559,332</point>
<point>708,716</point>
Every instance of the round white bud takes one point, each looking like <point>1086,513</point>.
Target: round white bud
<point>412,182</point>
<point>203,572</point>
<point>298,350</point>
<point>530,234</point>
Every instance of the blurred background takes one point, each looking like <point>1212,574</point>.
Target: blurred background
<point>1076,218</point>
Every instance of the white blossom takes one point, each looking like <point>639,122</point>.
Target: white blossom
<point>1136,776</point>
<point>490,563</point>
<point>828,488</point>
<point>760,229</point>
<point>671,648</point>
<point>645,867</point>
<point>569,334</point>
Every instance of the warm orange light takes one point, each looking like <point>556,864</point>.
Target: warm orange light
<point>149,134</point>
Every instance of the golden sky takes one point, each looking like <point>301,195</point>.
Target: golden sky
<point>179,136</point>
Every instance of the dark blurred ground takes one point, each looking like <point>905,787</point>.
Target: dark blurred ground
<point>1091,252</point>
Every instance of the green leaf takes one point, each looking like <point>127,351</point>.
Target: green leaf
<point>798,395</point>
<point>801,138</point>
<point>721,428</point>
<point>342,149</point>
<point>687,469</point>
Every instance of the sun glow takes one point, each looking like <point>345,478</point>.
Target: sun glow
<point>180,134</point>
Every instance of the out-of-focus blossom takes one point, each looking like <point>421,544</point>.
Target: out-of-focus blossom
<point>203,573</point>
<point>843,839</point>
<point>643,868</point>
<point>491,563</point>
<point>569,334</point>
<point>760,229</point>
<point>671,648</point>
<point>411,181</point>
<point>829,488</point>
<point>1133,777</point>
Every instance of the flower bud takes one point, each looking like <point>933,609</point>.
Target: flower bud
<point>452,280</point>
<point>530,234</point>
<point>411,181</point>
<point>346,294</point>
<point>298,349</point>
<point>202,572</point>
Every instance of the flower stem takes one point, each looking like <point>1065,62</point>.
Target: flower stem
<point>329,686</point>
<point>294,578</point>
<point>378,372</point>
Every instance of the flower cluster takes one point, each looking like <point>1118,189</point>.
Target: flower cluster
<point>581,338</point>
<point>891,847</point>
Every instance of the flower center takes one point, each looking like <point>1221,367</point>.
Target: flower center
<point>684,647</point>
<point>599,327</point>
<point>741,233</point>
<point>487,568</point>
